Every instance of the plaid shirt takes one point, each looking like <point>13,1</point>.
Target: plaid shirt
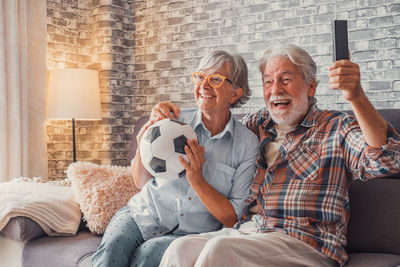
<point>305,192</point>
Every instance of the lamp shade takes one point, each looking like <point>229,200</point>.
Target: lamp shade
<point>73,94</point>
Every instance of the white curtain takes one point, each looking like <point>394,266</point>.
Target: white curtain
<point>22,88</point>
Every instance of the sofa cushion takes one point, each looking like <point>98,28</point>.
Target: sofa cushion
<point>133,143</point>
<point>60,251</point>
<point>101,191</point>
<point>392,116</point>
<point>373,260</point>
<point>22,229</point>
<point>374,216</point>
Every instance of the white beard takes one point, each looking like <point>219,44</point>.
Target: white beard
<point>292,116</point>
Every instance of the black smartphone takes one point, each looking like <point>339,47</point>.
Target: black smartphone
<point>340,40</point>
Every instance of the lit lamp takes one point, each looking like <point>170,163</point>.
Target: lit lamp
<point>73,94</point>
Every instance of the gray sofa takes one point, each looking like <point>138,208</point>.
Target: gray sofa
<point>373,236</point>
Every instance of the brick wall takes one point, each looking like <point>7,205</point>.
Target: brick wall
<point>146,50</point>
<point>97,35</point>
<point>171,36</point>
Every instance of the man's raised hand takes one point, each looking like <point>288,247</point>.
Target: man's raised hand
<point>345,75</point>
<point>164,110</point>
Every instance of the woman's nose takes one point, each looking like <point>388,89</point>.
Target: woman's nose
<point>205,84</point>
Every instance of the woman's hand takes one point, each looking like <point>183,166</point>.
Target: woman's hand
<point>195,154</point>
<point>164,110</point>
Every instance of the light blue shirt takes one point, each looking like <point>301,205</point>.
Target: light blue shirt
<point>229,166</point>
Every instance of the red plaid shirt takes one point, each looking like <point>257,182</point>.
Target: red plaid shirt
<point>305,192</point>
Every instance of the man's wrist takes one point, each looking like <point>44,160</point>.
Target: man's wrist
<point>358,98</point>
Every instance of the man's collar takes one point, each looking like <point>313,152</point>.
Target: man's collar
<point>309,119</point>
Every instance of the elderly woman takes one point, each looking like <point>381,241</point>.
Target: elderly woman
<point>219,172</point>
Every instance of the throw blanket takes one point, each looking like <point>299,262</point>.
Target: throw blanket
<point>50,205</point>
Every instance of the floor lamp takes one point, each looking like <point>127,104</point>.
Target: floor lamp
<point>73,94</point>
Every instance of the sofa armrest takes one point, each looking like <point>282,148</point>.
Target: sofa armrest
<point>374,216</point>
<point>60,251</point>
<point>22,229</point>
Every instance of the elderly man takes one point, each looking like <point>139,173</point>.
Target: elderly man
<point>308,157</point>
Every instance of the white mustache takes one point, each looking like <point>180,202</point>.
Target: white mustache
<point>280,97</point>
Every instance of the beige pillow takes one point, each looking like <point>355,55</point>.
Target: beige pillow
<point>101,191</point>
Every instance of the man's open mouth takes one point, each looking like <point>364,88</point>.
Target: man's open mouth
<point>280,103</point>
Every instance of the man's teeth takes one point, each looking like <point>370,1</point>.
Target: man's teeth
<point>280,102</point>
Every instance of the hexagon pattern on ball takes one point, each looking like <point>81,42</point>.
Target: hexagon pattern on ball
<point>162,145</point>
<point>179,144</point>
<point>153,134</point>
<point>158,165</point>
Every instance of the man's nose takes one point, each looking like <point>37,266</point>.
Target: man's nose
<point>277,88</point>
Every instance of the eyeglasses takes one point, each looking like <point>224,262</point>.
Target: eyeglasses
<point>214,80</point>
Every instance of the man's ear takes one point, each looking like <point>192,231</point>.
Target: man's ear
<point>237,93</point>
<point>312,89</point>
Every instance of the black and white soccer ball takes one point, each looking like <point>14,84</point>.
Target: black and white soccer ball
<point>161,146</point>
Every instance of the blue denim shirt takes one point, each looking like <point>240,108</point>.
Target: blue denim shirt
<point>229,166</point>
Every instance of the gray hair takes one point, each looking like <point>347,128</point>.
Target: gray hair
<point>296,55</point>
<point>238,71</point>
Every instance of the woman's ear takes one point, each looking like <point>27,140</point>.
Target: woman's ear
<point>237,93</point>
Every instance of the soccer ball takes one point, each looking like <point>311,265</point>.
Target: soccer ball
<point>161,146</point>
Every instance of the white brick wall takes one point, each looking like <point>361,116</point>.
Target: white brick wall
<point>195,27</point>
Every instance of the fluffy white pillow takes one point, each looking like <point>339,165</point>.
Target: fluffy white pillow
<point>101,191</point>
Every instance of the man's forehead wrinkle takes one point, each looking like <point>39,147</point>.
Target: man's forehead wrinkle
<point>266,75</point>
